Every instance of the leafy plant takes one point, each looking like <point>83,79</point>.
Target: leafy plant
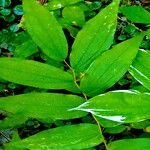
<point>76,82</point>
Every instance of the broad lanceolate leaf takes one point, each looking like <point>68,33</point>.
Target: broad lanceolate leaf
<point>136,14</point>
<point>36,74</point>
<point>57,4</point>
<point>130,144</point>
<point>43,106</point>
<point>119,106</point>
<point>69,137</point>
<point>108,68</point>
<point>45,30</point>
<point>140,69</point>
<point>95,37</point>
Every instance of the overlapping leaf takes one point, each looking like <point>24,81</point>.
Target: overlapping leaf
<point>95,37</point>
<point>57,4</point>
<point>36,74</point>
<point>108,68</point>
<point>131,144</point>
<point>43,106</point>
<point>140,69</point>
<point>45,30</point>
<point>65,137</point>
<point>74,15</point>
<point>119,106</point>
<point>136,14</point>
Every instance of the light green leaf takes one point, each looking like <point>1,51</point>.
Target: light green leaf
<point>36,74</point>
<point>57,4</point>
<point>24,45</point>
<point>43,106</point>
<point>108,68</point>
<point>120,106</point>
<point>130,144</point>
<point>140,69</point>
<point>66,137</point>
<point>136,14</point>
<point>95,37</point>
<point>26,49</point>
<point>74,15</point>
<point>45,30</point>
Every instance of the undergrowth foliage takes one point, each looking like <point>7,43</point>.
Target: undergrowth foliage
<point>76,81</point>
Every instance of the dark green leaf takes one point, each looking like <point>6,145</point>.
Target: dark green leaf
<point>108,68</point>
<point>18,10</point>
<point>119,106</point>
<point>115,130</point>
<point>45,30</point>
<point>95,37</point>
<point>5,3</point>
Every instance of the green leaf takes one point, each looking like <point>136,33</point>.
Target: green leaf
<point>26,49</point>
<point>136,14</point>
<point>141,124</point>
<point>120,106</point>
<point>43,106</point>
<point>116,130</point>
<point>108,68</point>
<point>36,74</point>
<point>74,15</point>
<point>130,144</point>
<point>5,3</point>
<point>140,69</point>
<point>18,10</point>
<point>95,37</point>
<point>45,30</point>
<point>57,4</point>
<point>65,137</point>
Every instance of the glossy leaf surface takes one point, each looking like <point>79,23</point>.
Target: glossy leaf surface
<point>140,69</point>
<point>65,137</point>
<point>95,37</point>
<point>119,106</point>
<point>108,68</point>
<point>43,106</point>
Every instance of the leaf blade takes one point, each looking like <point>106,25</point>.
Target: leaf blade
<point>65,137</point>
<point>45,31</point>
<point>132,144</point>
<point>43,106</point>
<point>140,69</point>
<point>35,74</point>
<point>108,68</point>
<point>136,14</point>
<point>120,106</point>
<point>87,45</point>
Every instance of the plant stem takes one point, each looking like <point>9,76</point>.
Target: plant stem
<point>97,122</point>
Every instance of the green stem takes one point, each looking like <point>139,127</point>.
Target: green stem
<point>97,122</point>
